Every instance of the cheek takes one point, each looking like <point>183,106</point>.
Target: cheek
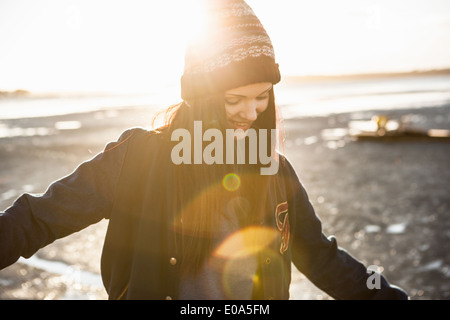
<point>262,105</point>
<point>232,111</point>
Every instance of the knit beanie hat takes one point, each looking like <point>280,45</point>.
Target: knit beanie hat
<point>234,50</point>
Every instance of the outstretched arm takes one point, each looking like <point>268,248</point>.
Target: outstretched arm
<point>70,204</point>
<point>321,260</point>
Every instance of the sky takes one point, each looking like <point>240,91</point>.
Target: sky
<point>135,45</point>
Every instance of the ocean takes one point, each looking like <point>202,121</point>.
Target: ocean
<point>296,98</point>
<point>351,95</point>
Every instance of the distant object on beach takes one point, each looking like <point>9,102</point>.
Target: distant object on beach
<point>380,127</point>
<point>13,94</point>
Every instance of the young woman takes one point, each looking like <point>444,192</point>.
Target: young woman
<point>196,209</point>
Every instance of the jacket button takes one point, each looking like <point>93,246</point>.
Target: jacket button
<point>267,260</point>
<point>173,261</point>
<point>168,298</point>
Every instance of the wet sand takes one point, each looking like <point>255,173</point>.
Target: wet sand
<point>386,202</point>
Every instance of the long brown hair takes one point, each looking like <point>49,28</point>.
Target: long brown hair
<point>199,194</point>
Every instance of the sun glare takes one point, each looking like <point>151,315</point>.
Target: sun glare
<point>131,46</point>
<point>137,46</point>
<point>192,17</point>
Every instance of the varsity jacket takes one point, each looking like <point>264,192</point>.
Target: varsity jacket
<point>142,255</point>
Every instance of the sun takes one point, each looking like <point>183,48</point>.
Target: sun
<point>174,23</point>
<point>187,18</point>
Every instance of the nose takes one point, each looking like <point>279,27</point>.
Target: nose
<point>248,112</point>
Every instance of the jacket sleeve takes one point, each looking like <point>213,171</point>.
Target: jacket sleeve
<point>70,204</point>
<point>323,262</point>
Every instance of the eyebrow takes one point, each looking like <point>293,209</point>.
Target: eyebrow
<point>242,96</point>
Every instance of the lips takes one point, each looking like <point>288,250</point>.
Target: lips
<point>240,124</point>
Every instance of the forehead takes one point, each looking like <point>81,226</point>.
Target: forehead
<point>253,89</point>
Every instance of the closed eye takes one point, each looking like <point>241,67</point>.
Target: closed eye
<point>232,101</point>
<point>264,97</point>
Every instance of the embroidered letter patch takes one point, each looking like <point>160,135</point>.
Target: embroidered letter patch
<point>282,222</point>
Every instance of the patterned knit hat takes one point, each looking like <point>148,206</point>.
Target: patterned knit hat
<point>234,50</point>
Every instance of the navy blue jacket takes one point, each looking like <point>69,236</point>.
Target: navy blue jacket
<point>141,256</point>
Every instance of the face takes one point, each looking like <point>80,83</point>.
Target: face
<point>244,104</point>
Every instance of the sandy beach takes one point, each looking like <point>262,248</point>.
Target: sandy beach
<point>387,202</point>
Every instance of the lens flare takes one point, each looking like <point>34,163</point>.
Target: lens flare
<point>246,242</point>
<point>231,182</point>
<point>240,253</point>
<point>238,277</point>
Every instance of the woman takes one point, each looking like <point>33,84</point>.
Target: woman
<point>195,211</point>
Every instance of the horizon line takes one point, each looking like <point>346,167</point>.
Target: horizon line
<point>288,78</point>
<point>319,77</point>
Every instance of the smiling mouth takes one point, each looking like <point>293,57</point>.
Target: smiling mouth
<point>240,125</point>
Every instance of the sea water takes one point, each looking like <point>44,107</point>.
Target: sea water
<point>295,98</point>
<point>350,95</point>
